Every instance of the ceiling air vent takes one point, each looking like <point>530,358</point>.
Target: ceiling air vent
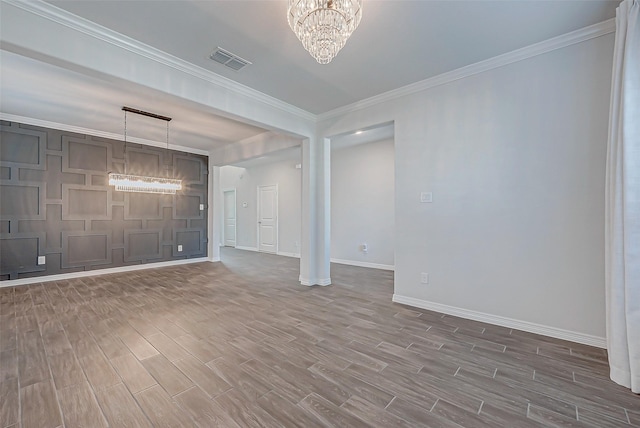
<point>228,59</point>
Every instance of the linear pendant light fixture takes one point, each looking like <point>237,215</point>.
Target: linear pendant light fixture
<point>323,26</point>
<point>137,183</point>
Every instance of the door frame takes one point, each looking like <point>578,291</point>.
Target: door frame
<point>235,199</point>
<point>277,219</point>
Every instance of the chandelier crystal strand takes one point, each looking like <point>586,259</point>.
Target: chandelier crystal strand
<point>323,26</point>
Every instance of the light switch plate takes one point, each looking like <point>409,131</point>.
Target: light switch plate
<point>201,207</point>
<point>426,197</point>
<point>42,260</point>
<point>179,248</point>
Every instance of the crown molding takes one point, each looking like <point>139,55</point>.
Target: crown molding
<point>93,132</point>
<point>97,31</point>
<point>568,39</point>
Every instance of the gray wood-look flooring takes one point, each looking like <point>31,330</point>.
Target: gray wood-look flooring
<point>242,344</point>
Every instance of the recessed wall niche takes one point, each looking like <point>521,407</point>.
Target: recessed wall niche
<point>91,226</point>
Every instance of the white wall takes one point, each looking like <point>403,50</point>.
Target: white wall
<point>362,204</point>
<point>515,158</point>
<point>246,182</point>
<point>362,186</point>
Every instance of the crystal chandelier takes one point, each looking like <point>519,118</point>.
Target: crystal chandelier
<point>323,26</point>
<point>137,183</point>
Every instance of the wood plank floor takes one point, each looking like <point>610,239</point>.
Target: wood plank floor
<point>242,344</point>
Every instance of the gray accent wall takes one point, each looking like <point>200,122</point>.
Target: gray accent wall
<point>55,201</point>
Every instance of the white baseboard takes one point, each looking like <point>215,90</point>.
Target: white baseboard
<point>309,282</point>
<point>284,253</point>
<point>96,272</point>
<point>530,327</point>
<point>239,247</point>
<point>305,281</point>
<point>363,264</point>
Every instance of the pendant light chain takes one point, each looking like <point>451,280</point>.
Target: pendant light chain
<point>125,142</point>
<point>167,166</point>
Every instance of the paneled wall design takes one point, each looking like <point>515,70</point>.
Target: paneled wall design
<point>55,201</point>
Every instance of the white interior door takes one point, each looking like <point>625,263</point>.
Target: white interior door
<point>230,218</point>
<point>268,218</point>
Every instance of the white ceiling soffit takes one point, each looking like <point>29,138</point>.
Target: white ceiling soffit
<point>93,104</point>
<point>362,136</point>
<point>293,155</point>
<point>437,37</point>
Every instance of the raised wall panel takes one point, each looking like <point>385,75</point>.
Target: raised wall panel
<point>198,224</point>
<point>86,202</point>
<point>84,156</point>
<point>17,148</point>
<point>142,206</point>
<point>21,200</point>
<point>142,244</point>
<point>190,170</point>
<point>19,253</point>
<point>187,206</point>
<point>191,240</point>
<point>5,173</point>
<point>22,147</point>
<point>144,162</point>
<point>90,203</point>
<point>85,249</point>
<point>99,180</point>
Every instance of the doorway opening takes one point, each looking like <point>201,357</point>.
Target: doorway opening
<point>363,197</point>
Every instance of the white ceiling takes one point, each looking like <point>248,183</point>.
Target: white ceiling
<point>396,44</point>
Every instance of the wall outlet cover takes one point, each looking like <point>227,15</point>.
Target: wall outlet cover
<point>424,278</point>
<point>426,197</point>
<point>201,207</point>
<point>179,248</point>
<point>42,260</point>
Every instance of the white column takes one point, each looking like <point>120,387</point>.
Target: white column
<point>316,212</point>
<point>215,214</point>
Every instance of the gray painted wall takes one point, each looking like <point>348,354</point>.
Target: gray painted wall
<point>55,201</point>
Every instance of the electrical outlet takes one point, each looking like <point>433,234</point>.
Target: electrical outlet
<point>42,260</point>
<point>201,207</point>
<point>424,278</point>
<point>364,248</point>
<point>426,197</point>
<point>179,248</point>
